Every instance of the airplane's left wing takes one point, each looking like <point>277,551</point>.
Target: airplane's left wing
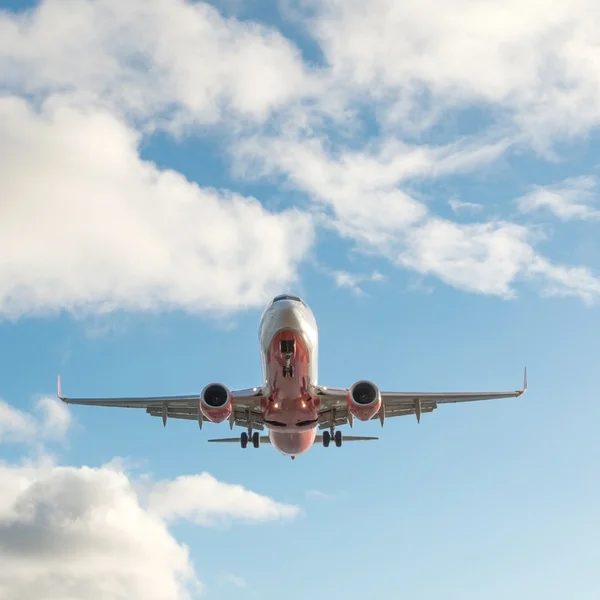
<point>334,411</point>
<point>246,406</point>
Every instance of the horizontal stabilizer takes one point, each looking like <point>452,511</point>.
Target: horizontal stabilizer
<point>264,439</point>
<point>351,438</point>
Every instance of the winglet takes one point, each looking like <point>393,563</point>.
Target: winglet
<point>58,389</point>
<point>524,381</point>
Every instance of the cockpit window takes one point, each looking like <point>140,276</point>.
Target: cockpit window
<point>288,297</point>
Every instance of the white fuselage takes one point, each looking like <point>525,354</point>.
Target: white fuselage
<point>290,412</point>
<point>296,316</point>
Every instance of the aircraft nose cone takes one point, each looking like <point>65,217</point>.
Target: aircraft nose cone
<point>289,316</point>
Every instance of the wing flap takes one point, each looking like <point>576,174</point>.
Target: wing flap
<point>240,415</point>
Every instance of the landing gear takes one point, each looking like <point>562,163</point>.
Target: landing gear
<point>337,438</point>
<point>247,437</point>
<point>287,348</point>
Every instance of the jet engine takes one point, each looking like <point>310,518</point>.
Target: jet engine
<point>364,400</point>
<point>215,402</point>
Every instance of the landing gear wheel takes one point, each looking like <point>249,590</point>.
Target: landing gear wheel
<point>338,439</point>
<point>256,439</point>
<point>244,439</point>
<point>326,439</point>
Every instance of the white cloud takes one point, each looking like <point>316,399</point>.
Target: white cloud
<point>489,258</point>
<point>364,191</point>
<point>57,417</point>
<point>78,532</point>
<point>71,532</point>
<point>458,205</point>
<point>97,228</point>
<point>174,61</point>
<point>484,258</point>
<point>568,200</point>
<point>18,426</point>
<point>352,281</point>
<point>68,533</point>
<point>15,424</point>
<point>418,60</point>
<point>204,500</point>
<point>361,188</point>
<point>561,280</point>
<point>151,57</point>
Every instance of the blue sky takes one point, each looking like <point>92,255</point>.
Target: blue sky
<point>428,186</point>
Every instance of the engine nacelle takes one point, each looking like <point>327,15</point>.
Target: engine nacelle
<point>364,400</point>
<point>215,402</point>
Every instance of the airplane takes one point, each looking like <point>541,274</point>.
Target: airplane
<point>290,403</point>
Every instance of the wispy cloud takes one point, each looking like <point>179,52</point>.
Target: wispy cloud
<point>317,494</point>
<point>568,200</point>
<point>485,257</point>
<point>459,206</point>
<point>352,281</point>
<point>235,580</point>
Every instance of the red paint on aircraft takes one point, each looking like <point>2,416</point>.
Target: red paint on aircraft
<point>216,415</point>
<point>290,412</point>
<point>293,443</point>
<point>363,412</point>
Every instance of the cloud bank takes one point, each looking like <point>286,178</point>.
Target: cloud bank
<point>72,532</point>
<point>89,226</point>
<point>98,228</point>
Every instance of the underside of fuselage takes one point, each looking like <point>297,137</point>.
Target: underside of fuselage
<point>293,443</point>
<point>290,411</point>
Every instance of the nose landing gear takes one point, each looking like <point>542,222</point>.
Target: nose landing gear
<point>287,349</point>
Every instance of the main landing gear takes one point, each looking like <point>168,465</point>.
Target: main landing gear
<point>337,438</point>
<point>246,437</point>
